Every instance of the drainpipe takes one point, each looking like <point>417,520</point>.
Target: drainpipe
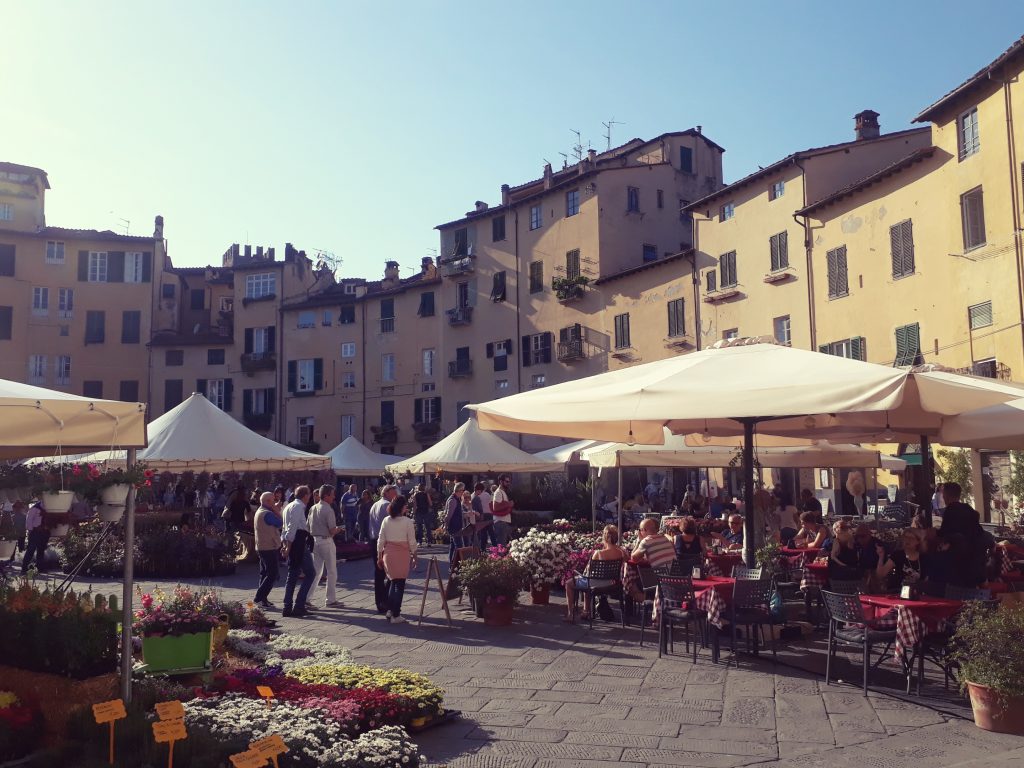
<point>282,379</point>
<point>362,351</point>
<point>695,276</point>
<point>518,340</point>
<point>809,255</point>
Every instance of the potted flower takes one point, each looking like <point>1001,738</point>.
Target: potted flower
<point>16,481</point>
<point>544,556</point>
<point>8,535</point>
<point>986,647</point>
<point>176,630</point>
<point>495,583</point>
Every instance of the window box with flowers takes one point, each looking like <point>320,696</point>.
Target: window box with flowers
<point>569,288</point>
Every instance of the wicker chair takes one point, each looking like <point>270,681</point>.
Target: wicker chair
<point>848,625</point>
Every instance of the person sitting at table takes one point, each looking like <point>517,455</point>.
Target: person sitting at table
<point>654,547</point>
<point>903,567</point>
<point>732,539</point>
<point>809,503</point>
<point>865,543</point>
<point>688,543</point>
<point>843,559</point>
<point>812,534</point>
<point>610,550</point>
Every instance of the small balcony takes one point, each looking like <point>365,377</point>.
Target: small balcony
<point>569,289</point>
<point>460,316</point>
<point>459,265</point>
<point>460,369</point>
<point>570,351</point>
<point>387,325</point>
<point>258,422</point>
<point>386,434</point>
<point>426,430</point>
<point>259,361</point>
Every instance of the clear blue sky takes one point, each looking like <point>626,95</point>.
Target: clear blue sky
<point>356,128</point>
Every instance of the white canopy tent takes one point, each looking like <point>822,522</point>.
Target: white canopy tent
<point>568,452</point>
<point>471,449</point>
<point>42,422</point>
<point>997,427</point>
<point>737,386</point>
<point>763,442</point>
<point>198,436</point>
<point>351,458</point>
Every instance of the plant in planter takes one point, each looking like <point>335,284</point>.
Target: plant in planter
<point>176,629</point>
<point>768,558</point>
<point>8,535</point>
<point>986,647</point>
<point>567,288</point>
<point>544,556</point>
<point>494,583</point>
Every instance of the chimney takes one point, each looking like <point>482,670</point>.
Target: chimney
<point>391,270</point>
<point>592,155</point>
<point>547,176</point>
<point>700,129</point>
<point>426,265</point>
<point>504,194</point>
<point>480,206</point>
<point>158,228</point>
<point>270,253</point>
<point>866,125</point>
<point>235,250</point>
<point>259,251</point>
<point>248,251</point>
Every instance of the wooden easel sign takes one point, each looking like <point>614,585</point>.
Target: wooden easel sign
<point>435,569</point>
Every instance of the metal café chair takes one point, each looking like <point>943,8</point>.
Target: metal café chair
<point>848,625</point>
<point>751,608</point>
<point>678,605</point>
<point>601,570</point>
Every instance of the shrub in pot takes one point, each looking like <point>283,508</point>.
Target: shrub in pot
<point>495,583</point>
<point>987,649</point>
<point>8,535</point>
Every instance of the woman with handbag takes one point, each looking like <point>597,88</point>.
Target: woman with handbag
<point>396,550</point>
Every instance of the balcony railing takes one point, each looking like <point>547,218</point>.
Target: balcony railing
<point>386,434</point>
<point>460,316</point>
<point>259,361</point>
<point>258,421</point>
<point>387,325</point>
<point>424,430</point>
<point>460,265</point>
<point>460,369</point>
<point>989,369</point>
<point>571,350</point>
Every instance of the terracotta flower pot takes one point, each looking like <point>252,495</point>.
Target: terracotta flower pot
<point>541,596</point>
<point>498,614</point>
<point>995,713</point>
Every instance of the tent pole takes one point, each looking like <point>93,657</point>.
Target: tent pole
<point>622,501</point>
<point>749,525</point>
<point>874,489</point>
<point>924,495</point>
<point>593,500</point>
<point>128,587</point>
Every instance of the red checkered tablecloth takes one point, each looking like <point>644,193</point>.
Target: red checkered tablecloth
<point>713,596</point>
<point>1009,552</point>
<point>815,575</point>
<point>912,619</point>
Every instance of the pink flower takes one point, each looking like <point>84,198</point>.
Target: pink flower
<point>76,470</point>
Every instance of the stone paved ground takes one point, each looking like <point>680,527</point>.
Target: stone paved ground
<point>543,694</point>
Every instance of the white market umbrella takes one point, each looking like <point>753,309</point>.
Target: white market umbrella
<point>198,436</point>
<point>997,427</point>
<point>568,452</point>
<point>353,459</point>
<point>471,449</point>
<point>41,422</point>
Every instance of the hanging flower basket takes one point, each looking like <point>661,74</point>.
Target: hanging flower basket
<point>111,513</point>
<point>58,502</point>
<point>115,494</point>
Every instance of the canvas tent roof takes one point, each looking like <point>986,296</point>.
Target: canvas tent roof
<point>565,453</point>
<point>471,449</point>
<point>351,457</point>
<point>198,436</point>
<point>43,422</point>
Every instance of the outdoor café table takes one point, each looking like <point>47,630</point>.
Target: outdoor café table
<point>713,595</point>
<point>814,575</point>
<point>1011,555</point>
<point>913,619</point>
<point>722,565</point>
<point>810,554</point>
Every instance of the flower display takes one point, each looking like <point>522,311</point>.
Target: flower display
<point>490,578</point>
<point>426,696</point>
<point>286,651</point>
<point>20,727</point>
<point>182,612</point>
<point>544,555</point>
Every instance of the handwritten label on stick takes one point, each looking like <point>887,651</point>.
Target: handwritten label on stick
<point>109,711</point>
<point>169,730</point>
<point>248,759</point>
<point>170,710</point>
<point>270,746</point>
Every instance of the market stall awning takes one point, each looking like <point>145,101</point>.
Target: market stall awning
<point>43,422</point>
<point>471,449</point>
<point>351,458</point>
<point>568,452</point>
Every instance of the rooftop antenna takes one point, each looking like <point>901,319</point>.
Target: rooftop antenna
<point>608,130</point>
<point>126,224</point>
<point>577,148</point>
<point>565,159</point>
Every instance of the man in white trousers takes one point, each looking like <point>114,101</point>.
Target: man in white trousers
<point>323,527</point>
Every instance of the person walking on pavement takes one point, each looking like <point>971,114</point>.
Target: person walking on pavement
<point>453,519</point>
<point>350,510</point>
<point>501,506</point>
<point>396,549</point>
<point>267,526</point>
<point>300,558</point>
<point>325,553</point>
<point>423,511</point>
<point>38,537</point>
<point>363,518</point>
<point>377,514</point>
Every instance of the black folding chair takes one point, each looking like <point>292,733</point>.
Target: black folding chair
<point>601,570</point>
<point>848,625</point>
<point>953,592</point>
<point>742,572</point>
<point>678,605</point>
<point>649,586</point>
<point>751,608</point>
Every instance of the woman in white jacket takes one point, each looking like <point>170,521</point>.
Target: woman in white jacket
<point>396,548</point>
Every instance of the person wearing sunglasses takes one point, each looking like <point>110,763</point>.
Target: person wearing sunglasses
<point>732,539</point>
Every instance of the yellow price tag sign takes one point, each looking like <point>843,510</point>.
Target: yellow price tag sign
<point>270,746</point>
<point>109,711</point>
<point>169,730</point>
<point>266,692</point>
<point>248,759</point>
<point>170,710</point>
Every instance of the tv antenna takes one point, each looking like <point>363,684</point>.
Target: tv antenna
<point>125,224</point>
<point>608,130</point>
<point>565,159</point>
<point>577,148</point>
<point>325,258</point>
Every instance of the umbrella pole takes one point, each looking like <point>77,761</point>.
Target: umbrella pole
<point>749,525</point>
<point>128,587</point>
<point>621,501</point>
<point>874,490</point>
<point>593,500</point>
<point>924,495</point>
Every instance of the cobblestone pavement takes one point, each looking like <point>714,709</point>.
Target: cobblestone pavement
<point>544,694</point>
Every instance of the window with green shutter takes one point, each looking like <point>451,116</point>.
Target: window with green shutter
<point>779,248</point>
<point>908,345</point>
<point>972,215</point>
<point>901,243</point>
<point>980,315</point>
<point>838,282</point>
<point>711,278</point>
<point>622,331</point>
<point>855,348</point>
<point>727,270</point>
<point>536,276</point>
<point>676,318</point>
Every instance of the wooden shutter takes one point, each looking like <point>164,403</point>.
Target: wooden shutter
<point>147,267</point>
<point>545,346</point>
<point>896,250</point>
<point>711,277</point>
<point>201,387</point>
<point>6,323</point>
<point>248,341</point>
<point>229,390</point>
<point>857,348</point>
<point>907,238</point>
<point>83,266</point>
<point>498,287</point>
<point>437,408</point>
<point>823,348</point>
<point>773,247</point>
<point>527,357</point>
<point>783,248</point>
<point>318,373</point>
<point>490,349</point>
<point>7,254</point>
<point>115,266</point>
<point>271,339</point>
<point>293,375</point>
<point>271,398</point>
<point>246,402</point>
<point>417,410</point>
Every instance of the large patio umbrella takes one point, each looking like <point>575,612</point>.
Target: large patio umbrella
<point>741,385</point>
<point>351,458</point>
<point>997,427</point>
<point>568,452</point>
<point>471,449</point>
